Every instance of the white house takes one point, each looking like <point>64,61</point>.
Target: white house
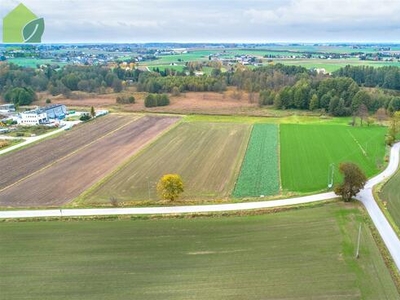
<point>32,117</point>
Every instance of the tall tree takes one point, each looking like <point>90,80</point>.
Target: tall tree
<point>353,181</point>
<point>170,187</point>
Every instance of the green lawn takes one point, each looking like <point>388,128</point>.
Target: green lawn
<point>206,155</point>
<point>299,254</point>
<point>391,194</point>
<point>307,151</point>
<point>259,174</point>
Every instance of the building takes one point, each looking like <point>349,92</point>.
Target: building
<point>55,111</point>
<point>32,117</point>
<point>7,108</point>
<point>42,115</point>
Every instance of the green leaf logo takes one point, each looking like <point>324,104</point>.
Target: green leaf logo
<point>21,25</point>
<point>33,31</point>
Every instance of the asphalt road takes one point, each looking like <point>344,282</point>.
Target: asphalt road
<point>365,196</point>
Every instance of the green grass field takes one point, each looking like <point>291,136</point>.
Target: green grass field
<point>259,174</point>
<point>206,155</point>
<point>391,194</point>
<point>298,254</point>
<point>308,150</point>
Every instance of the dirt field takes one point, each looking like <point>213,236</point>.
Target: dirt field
<point>19,164</point>
<point>73,174</point>
<point>229,102</point>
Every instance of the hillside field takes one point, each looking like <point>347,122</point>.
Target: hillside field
<point>307,151</point>
<point>391,194</point>
<point>206,155</point>
<point>259,174</point>
<point>297,254</point>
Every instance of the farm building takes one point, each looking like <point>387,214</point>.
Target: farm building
<point>55,111</point>
<point>42,115</point>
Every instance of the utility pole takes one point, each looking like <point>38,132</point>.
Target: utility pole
<point>148,187</point>
<point>358,242</point>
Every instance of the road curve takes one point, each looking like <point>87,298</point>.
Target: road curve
<point>365,196</point>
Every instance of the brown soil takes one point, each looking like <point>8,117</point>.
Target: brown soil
<point>72,174</point>
<point>19,164</point>
<point>229,102</point>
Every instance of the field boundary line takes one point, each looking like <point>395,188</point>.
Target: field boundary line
<point>358,143</point>
<point>66,156</point>
<point>121,166</point>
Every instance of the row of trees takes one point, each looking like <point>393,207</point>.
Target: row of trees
<point>337,96</point>
<point>386,77</point>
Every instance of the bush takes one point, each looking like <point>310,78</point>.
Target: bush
<point>48,101</point>
<point>150,101</point>
<point>153,100</point>
<point>85,117</point>
<point>125,100</point>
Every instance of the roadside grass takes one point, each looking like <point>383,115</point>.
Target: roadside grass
<point>259,174</point>
<point>296,254</point>
<point>206,155</point>
<point>390,193</point>
<point>307,151</point>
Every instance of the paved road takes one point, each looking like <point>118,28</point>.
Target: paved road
<point>365,196</point>
<point>382,225</point>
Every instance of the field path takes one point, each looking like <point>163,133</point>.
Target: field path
<point>365,196</point>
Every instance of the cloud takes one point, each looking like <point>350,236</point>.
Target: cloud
<point>215,21</point>
<point>328,11</point>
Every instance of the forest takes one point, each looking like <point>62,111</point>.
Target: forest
<point>344,93</point>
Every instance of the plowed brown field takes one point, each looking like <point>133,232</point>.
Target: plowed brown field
<point>56,181</point>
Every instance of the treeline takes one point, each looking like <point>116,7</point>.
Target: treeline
<point>337,96</point>
<point>154,83</point>
<point>16,80</point>
<point>387,77</point>
<point>272,77</point>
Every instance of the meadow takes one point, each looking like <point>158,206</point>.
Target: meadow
<point>206,155</point>
<point>390,193</point>
<point>307,152</point>
<point>259,174</point>
<point>297,254</point>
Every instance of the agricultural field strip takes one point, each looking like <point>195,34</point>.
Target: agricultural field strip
<point>381,224</point>
<point>307,254</point>
<point>390,193</point>
<point>259,173</point>
<point>207,156</point>
<point>317,147</point>
<point>68,178</point>
<point>22,163</point>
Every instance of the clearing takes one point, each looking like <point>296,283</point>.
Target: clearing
<point>206,155</point>
<point>297,254</point>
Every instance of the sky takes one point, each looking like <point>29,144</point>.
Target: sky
<point>237,21</point>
